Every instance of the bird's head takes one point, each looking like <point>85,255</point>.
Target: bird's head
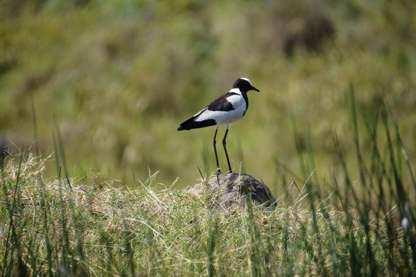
<point>244,85</point>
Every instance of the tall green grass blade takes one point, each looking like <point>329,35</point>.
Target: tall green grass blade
<point>212,237</point>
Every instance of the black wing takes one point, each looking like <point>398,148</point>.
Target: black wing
<point>221,103</point>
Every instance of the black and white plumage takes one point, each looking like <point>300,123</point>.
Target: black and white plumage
<point>224,110</point>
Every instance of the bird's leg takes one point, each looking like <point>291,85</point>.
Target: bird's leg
<point>214,143</point>
<point>224,143</point>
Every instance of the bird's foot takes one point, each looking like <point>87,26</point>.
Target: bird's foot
<point>217,173</point>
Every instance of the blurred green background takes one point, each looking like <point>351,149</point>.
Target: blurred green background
<point>118,76</point>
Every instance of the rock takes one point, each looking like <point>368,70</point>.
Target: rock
<point>231,189</point>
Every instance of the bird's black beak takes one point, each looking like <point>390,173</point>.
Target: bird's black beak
<point>256,89</point>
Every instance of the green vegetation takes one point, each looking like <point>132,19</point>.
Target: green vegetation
<point>102,86</point>
<point>119,76</point>
<point>321,227</point>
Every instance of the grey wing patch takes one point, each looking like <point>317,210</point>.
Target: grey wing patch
<point>221,103</point>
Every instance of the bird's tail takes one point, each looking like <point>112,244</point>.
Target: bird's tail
<point>192,124</point>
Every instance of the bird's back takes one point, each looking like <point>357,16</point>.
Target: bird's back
<point>223,110</point>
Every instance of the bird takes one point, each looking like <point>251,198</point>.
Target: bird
<point>224,110</point>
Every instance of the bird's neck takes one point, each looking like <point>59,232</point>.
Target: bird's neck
<point>241,92</point>
<point>244,94</point>
<point>238,91</point>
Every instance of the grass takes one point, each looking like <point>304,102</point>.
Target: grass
<point>344,223</point>
<point>102,86</point>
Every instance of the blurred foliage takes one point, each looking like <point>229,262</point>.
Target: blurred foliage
<point>118,76</point>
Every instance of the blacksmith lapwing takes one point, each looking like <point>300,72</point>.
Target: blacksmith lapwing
<point>224,110</point>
